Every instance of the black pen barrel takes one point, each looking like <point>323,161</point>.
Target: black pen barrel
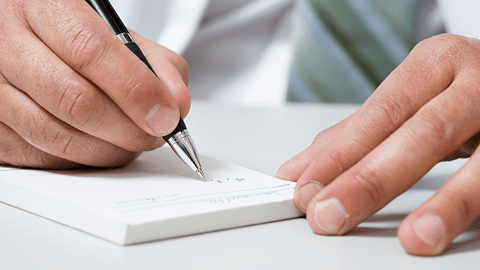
<point>106,11</point>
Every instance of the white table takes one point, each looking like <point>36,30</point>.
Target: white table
<point>260,139</point>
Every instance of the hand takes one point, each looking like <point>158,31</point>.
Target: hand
<point>426,111</point>
<point>71,93</point>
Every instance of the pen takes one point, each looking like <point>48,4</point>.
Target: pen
<point>179,140</point>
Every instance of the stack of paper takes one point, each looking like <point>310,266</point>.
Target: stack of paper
<point>155,197</point>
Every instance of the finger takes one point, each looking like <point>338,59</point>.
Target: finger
<point>67,95</point>
<point>48,134</point>
<point>416,81</point>
<point>293,169</point>
<point>466,150</point>
<point>74,31</point>
<point>396,164</point>
<point>15,151</point>
<point>433,226</point>
<point>170,68</point>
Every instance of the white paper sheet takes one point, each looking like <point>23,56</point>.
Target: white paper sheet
<point>155,188</point>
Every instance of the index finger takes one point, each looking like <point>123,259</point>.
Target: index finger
<point>74,31</point>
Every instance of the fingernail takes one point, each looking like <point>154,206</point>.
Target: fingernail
<point>306,193</point>
<point>330,215</point>
<point>430,229</point>
<point>162,118</point>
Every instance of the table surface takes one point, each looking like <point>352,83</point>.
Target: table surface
<point>259,138</point>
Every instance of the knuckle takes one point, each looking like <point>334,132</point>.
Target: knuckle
<point>388,112</point>
<point>59,140</point>
<point>429,127</point>
<point>445,47</point>
<point>368,182</point>
<point>83,44</point>
<point>462,202</point>
<point>320,135</point>
<point>31,128</point>
<point>330,133</point>
<point>78,105</point>
<point>338,159</point>
<point>63,143</point>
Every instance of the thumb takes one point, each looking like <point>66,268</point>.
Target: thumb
<point>170,68</point>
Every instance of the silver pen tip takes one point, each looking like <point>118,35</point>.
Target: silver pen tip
<point>200,172</point>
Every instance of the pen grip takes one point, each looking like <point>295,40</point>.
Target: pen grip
<point>136,50</point>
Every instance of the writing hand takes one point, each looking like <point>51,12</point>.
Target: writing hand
<point>426,111</point>
<point>71,93</point>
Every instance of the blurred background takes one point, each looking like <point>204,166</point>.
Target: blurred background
<point>270,52</point>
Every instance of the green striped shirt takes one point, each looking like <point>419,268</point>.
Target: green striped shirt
<point>346,48</point>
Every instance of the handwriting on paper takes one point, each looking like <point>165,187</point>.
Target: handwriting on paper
<point>228,180</point>
<point>217,197</point>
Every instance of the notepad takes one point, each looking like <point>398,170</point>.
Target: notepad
<point>155,197</point>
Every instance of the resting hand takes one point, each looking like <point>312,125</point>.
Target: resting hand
<point>426,111</point>
<point>71,93</point>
